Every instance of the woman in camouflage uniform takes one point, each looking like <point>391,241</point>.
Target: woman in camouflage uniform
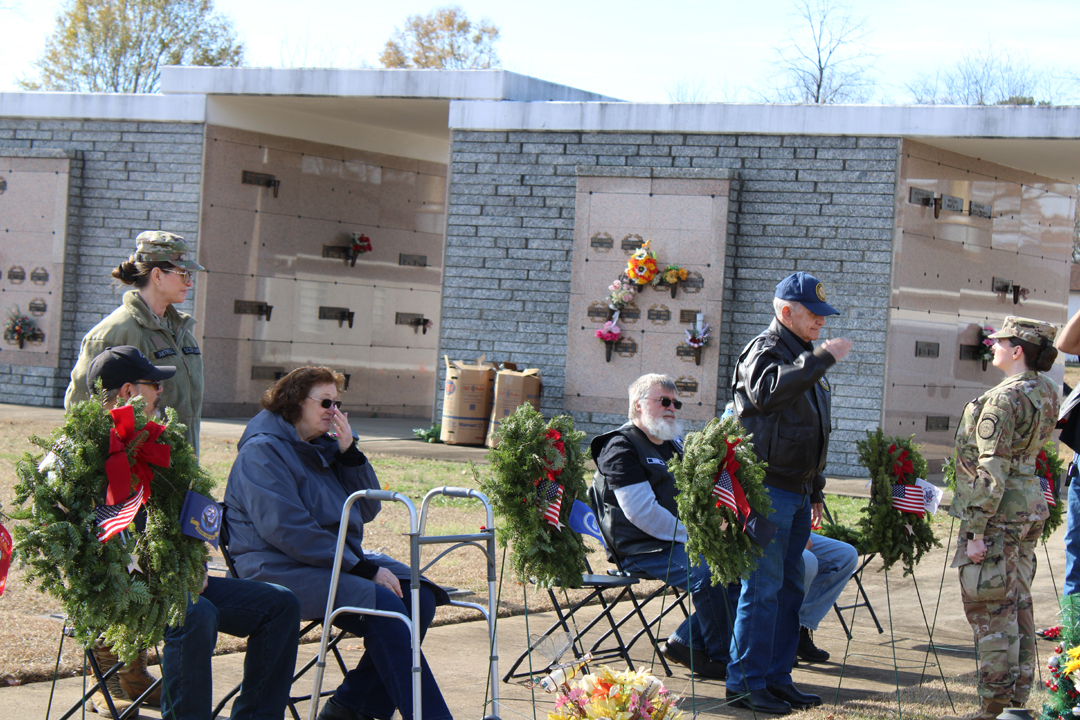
<point>1001,508</point>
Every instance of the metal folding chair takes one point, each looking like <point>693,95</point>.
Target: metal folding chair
<point>865,602</point>
<point>412,621</point>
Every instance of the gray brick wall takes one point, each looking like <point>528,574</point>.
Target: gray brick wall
<point>126,177</point>
<point>819,204</point>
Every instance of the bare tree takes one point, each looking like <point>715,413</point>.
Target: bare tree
<point>991,75</point>
<point>826,59</point>
<point>444,39</point>
<point>689,89</point>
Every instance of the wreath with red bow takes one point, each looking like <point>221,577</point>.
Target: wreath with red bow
<point>97,471</point>
<point>537,472</point>
<point>720,479</point>
<point>895,524</point>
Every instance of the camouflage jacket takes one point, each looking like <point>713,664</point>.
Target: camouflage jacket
<point>999,436</point>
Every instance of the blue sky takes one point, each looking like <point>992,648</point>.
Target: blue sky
<point>628,49</point>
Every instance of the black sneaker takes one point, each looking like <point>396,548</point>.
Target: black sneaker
<point>808,651</point>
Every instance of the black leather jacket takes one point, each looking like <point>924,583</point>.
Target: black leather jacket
<point>783,398</point>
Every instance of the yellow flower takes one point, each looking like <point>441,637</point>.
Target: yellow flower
<point>683,274</point>
<point>1071,667</point>
<point>1074,651</point>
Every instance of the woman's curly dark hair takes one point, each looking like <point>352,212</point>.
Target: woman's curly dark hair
<point>285,396</point>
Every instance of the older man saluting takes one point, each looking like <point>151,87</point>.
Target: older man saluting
<point>782,396</point>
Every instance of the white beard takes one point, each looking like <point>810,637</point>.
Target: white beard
<point>661,428</point>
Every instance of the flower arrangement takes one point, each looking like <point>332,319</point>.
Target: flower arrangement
<point>673,274</point>
<point>696,338</point>
<point>720,482</point>
<point>625,695</point>
<point>622,292</point>
<point>610,332</point>
<point>19,328</point>
<point>642,267</point>
<point>361,243</point>
<point>1063,683</point>
<point>986,345</point>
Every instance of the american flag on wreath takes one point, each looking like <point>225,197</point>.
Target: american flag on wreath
<point>908,498</point>
<point>550,498</point>
<point>114,518</point>
<point>724,492</point>
<point>1048,492</point>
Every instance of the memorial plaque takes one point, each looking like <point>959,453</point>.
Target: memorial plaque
<point>336,313</point>
<point>37,307</point>
<point>937,423</point>
<point>408,318</point>
<point>686,387</point>
<point>3,185</point>
<point>335,252</point>
<point>659,315</point>
<point>39,276</point>
<point>982,210</point>
<point>952,203</point>
<point>688,317</point>
<point>412,260</point>
<point>970,352</point>
<point>16,275</point>
<point>631,244</point>
<point>262,179</point>
<point>1000,285</point>
<point>927,349</point>
<point>685,351</point>
<point>266,372</point>
<point>599,312</point>
<point>626,347</point>
<point>252,307</point>
<point>602,242</point>
<point>693,284</point>
<point>918,196</point>
<point>629,314</point>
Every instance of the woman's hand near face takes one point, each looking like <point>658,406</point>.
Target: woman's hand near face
<point>341,428</point>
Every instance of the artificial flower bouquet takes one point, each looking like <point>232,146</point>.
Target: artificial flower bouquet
<point>622,292</point>
<point>20,328</point>
<point>698,338</point>
<point>610,332</point>
<point>986,344</point>
<point>673,274</point>
<point>642,267</point>
<point>625,695</point>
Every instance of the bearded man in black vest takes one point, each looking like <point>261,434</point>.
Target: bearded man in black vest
<point>638,516</point>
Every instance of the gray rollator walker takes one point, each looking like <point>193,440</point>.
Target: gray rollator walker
<point>416,539</point>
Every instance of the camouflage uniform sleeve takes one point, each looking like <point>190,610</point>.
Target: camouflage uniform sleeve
<point>994,439</point>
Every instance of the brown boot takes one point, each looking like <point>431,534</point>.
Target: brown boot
<point>121,700</point>
<point>135,680</point>
<point>990,710</point>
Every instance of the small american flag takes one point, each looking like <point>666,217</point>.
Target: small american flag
<point>908,498</point>
<point>1048,492</point>
<point>551,502</point>
<point>114,518</point>
<point>724,492</point>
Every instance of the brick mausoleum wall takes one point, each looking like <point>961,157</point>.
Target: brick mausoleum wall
<point>820,204</point>
<point>126,177</point>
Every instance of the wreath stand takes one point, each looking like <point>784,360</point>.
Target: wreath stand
<point>483,541</point>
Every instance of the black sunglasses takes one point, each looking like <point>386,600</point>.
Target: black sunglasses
<point>152,383</point>
<point>327,402</point>
<point>668,402</point>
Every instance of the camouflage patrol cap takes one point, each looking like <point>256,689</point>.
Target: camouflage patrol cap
<point>159,246</point>
<point>1034,331</point>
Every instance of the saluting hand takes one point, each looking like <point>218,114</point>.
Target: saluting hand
<point>837,347</point>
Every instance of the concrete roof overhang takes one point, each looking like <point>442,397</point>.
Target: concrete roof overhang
<point>1040,140</point>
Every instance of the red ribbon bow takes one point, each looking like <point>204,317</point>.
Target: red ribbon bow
<point>730,464</point>
<point>901,466</point>
<point>1042,467</point>
<point>119,467</point>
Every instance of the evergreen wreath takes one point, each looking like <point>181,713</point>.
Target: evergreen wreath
<point>531,455</point>
<point>712,529</point>
<point>1052,465</point>
<point>59,544</point>
<point>1063,684</point>
<point>893,534</point>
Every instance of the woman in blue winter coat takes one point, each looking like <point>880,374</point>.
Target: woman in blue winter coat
<point>297,464</point>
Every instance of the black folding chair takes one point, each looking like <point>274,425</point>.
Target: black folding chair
<point>865,602</point>
<point>309,625</point>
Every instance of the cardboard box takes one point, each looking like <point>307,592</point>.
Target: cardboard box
<point>467,401</point>
<point>512,390</point>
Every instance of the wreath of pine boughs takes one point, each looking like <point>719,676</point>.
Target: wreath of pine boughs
<point>1063,666</point>
<point>57,494</point>
<point>1057,469</point>
<point>525,454</point>
<point>714,532</point>
<point>885,528</point>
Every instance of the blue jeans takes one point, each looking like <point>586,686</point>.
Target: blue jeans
<point>1072,538</point>
<point>267,615</point>
<point>382,681</point>
<point>829,565</point>
<point>714,606</point>
<point>766,633</point>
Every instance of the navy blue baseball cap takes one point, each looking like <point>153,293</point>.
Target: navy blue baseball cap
<point>123,364</point>
<point>806,289</point>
